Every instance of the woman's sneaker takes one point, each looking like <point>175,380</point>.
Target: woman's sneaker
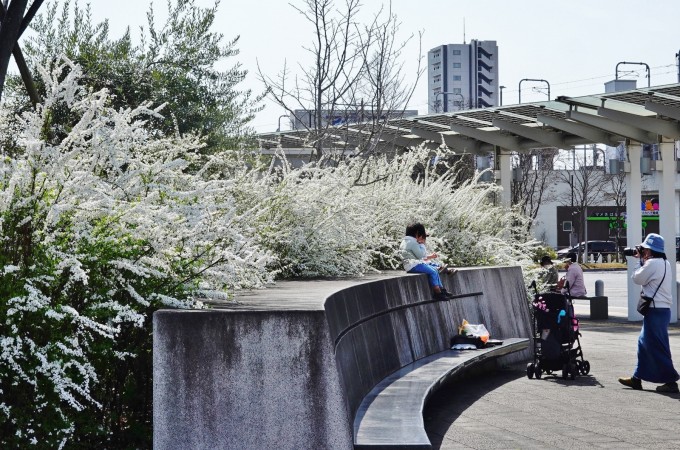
<point>634,383</point>
<point>669,388</point>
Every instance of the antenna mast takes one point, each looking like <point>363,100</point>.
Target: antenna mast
<point>464,31</point>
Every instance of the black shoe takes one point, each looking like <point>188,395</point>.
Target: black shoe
<point>635,383</point>
<point>668,388</point>
<point>439,296</point>
<point>447,294</point>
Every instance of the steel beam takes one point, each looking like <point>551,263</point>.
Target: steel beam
<point>667,128</point>
<point>589,133</point>
<point>550,139</point>
<point>496,138</point>
<point>661,109</point>
<point>611,126</point>
<point>456,142</point>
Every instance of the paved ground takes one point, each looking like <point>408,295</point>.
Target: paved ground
<point>507,410</point>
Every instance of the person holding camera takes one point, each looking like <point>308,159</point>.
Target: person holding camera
<point>654,363</point>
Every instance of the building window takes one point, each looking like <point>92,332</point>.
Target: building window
<point>456,52</point>
<point>456,65</point>
<point>566,225</point>
<point>456,78</point>
<point>456,90</point>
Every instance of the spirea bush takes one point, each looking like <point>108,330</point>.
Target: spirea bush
<point>348,218</point>
<point>101,223</point>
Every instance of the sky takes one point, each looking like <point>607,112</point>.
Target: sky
<point>574,45</point>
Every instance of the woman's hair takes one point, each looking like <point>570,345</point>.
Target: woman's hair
<point>415,229</point>
<point>657,254</point>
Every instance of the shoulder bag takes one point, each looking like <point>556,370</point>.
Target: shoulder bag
<point>645,301</point>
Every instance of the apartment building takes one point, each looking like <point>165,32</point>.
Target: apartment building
<point>462,76</point>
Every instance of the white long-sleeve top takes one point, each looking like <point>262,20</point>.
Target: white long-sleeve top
<point>412,253</point>
<point>649,275</point>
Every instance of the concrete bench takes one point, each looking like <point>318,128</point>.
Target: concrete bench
<point>289,366</point>
<point>391,415</point>
<point>599,306</point>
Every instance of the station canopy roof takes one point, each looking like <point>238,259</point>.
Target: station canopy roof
<point>644,115</point>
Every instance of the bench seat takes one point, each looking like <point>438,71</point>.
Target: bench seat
<point>391,415</point>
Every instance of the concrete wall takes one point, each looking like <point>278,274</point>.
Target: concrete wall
<point>255,375</point>
<point>246,380</point>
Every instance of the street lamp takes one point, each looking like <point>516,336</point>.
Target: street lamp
<point>280,117</point>
<point>501,89</point>
<point>532,79</point>
<point>462,99</point>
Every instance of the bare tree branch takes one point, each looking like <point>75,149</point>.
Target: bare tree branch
<point>587,183</point>
<point>355,78</point>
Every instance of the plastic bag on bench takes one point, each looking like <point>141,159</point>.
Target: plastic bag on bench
<point>474,330</point>
<point>461,342</point>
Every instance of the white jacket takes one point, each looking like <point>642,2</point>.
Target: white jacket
<point>649,276</point>
<point>412,253</point>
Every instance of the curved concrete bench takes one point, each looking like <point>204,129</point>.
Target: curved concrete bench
<point>289,367</point>
<point>391,415</point>
<point>386,331</point>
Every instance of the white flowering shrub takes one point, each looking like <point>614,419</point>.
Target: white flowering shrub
<point>348,219</point>
<point>102,222</point>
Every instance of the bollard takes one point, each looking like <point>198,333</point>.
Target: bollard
<point>599,288</point>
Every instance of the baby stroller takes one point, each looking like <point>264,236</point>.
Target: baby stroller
<point>556,336</point>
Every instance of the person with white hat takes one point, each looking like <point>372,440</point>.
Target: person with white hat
<point>654,363</point>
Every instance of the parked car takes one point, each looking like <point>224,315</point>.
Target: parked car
<point>594,248</point>
<point>677,248</point>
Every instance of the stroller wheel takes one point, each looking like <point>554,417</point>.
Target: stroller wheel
<point>585,368</point>
<point>530,370</point>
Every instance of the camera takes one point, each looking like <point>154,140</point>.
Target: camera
<point>635,251</point>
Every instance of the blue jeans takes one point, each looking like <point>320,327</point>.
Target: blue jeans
<point>431,272</point>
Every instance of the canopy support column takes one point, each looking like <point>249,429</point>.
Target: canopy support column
<point>634,222</point>
<point>667,214</point>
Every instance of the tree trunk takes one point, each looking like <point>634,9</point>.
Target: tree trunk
<point>9,33</point>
